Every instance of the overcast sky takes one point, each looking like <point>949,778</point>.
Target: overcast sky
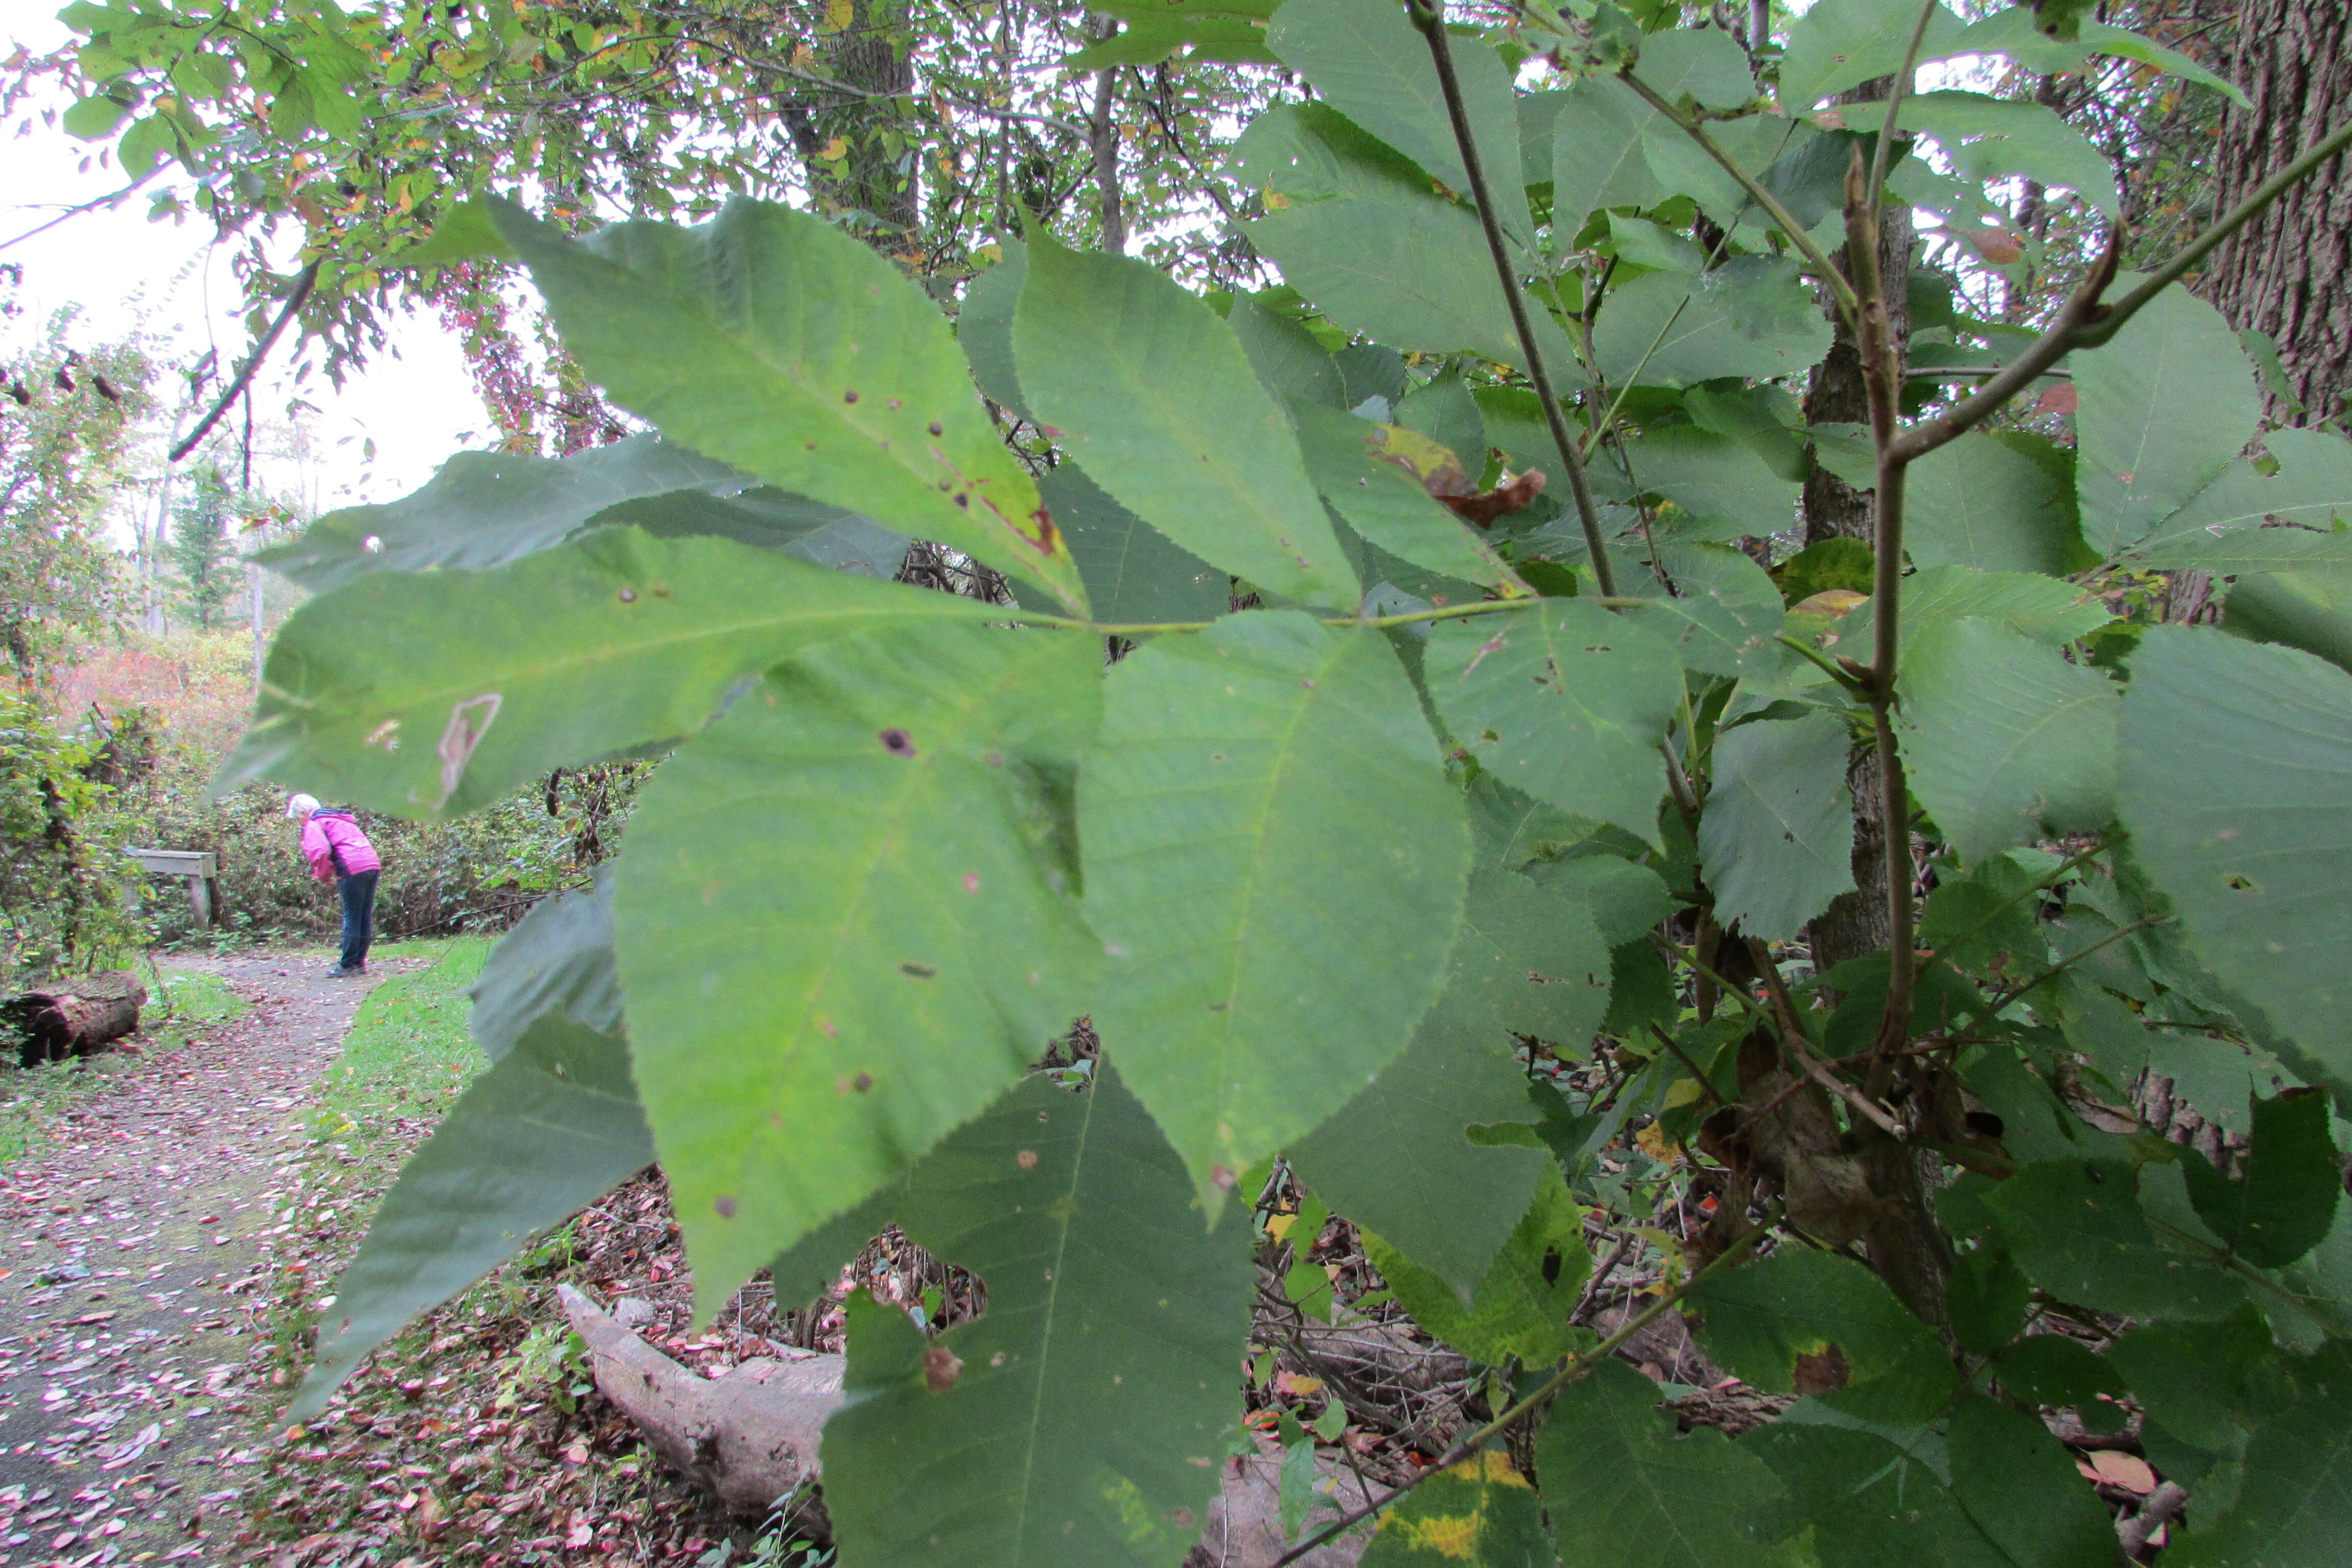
<point>126,275</point>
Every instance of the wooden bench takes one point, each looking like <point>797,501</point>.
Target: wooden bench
<point>200,869</point>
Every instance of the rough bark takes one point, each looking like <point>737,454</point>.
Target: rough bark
<point>870,174</point>
<point>2282,274</point>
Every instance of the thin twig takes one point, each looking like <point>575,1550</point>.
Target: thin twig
<point>1429,15</point>
<point>1682,1057</point>
<point>1577,1367</point>
<point>1895,96</point>
<point>244,376</point>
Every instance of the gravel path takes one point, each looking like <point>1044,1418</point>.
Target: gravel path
<point>134,1257</point>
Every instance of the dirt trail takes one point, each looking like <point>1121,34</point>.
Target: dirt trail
<point>131,1266</point>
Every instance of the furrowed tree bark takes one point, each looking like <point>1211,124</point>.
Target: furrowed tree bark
<point>2282,274</point>
<point>76,1017</point>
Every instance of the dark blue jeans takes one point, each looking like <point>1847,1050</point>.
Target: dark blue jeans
<point>358,915</point>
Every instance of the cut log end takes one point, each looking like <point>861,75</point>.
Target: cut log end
<point>75,1017</point>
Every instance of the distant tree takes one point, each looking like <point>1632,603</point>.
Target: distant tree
<point>69,417</point>
<point>199,549</point>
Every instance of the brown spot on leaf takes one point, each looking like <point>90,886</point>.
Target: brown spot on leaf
<point>1027,1159</point>
<point>941,1367</point>
<point>725,1204</point>
<point>897,743</point>
<point>1823,1372</point>
<point>850,396</point>
<point>629,596</point>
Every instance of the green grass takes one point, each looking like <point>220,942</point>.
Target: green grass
<point>180,1004</point>
<point>408,1054</point>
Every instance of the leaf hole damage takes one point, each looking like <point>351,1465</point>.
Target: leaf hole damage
<point>2240,882</point>
<point>897,743</point>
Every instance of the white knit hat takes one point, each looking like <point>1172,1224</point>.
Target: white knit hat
<point>300,807</point>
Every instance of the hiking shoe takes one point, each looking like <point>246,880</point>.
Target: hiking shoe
<point>339,972</point>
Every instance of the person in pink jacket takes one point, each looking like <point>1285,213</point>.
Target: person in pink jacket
<point>339,852</point>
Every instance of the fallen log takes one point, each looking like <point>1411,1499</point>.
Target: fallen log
<point>751,1437</point>
<point>76,1015</point>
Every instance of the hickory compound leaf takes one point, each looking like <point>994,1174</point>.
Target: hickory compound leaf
<point>2045,609</point>
<point>552,1126</point>
<point>430,695</point>
<point>1813,1322</point>
<point>1775,842</point>
<point>1275,863</point>
<point>1990,139</point>
<point>1481,1513</point>
<point>1366,472</point>
<point>984,326</point>
<point>1622,1488</point>
<point>1082,1418</point>
<point>771,340</point>
<point>1289,360</point>
<point>1728,609</point>
<point>1397,1159</point>
<point>2306,610</point>
<point>2222,522</point>
<point>846,920</point>
<point>2162,410</point>
<point>1596,151</point>
<point>2002,735</point>
<point>1718,480</point>
<point>2236,784</point>
<point>2283,1200</point>
<point>1153,395</point>
<point>485,508</point>
<point>769,519</point>
<point>2021,1487</point>
<point>1521,1306</point>
<point>2295,1503</point>
<point>558,959</point>
<point>1566,701</point>
<point>1371,64</point>
<point>1300,153</point>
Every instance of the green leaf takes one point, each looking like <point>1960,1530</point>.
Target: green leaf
<point>2313,487</point>
<point>2192,1378</point>
<point>1521,1306</point>
<point>2056,1370</point>
<point>1987,1297</point>
<point>1133,573</point>
<point>2045,609</point>
<point>1288,361</point>
<point>1625,900</point>
<point>1981,501</point>
<point>1366,472</point>
<point>1373,65</point>
<point>2291,1507</point>
<point>2013,32</point>
<point>1157,401</point>
<point>1818,1323</point>
<point>1867,1500</point>
<point>2075,1227</point>
<point>2296,609</point>
<point>1840,44</point>
<point>2236,782</point>
<point>93,116</point>
<point>2285,1201</point>
<point>1705,65</point>
<point>429,695</point>
<point>1566,701</point>
<point>1620,1488</point>
<point>557,959</point>
<point>1408,273</point>
<point>1750,318</point>
<point>467,232</point>
<point>774,341</point>
<point>1248,784</point>
<point>1395,1158</point>
<point>1481,1513</point>
<point>1720,480</point>
<point>1777,838</point>
<point>1082,1418</point>
<point>1987,923</point>
<point>1990,139</point>
<point>846,924</point>
<point>1731,613</point>
<point>1443,409</point>
<point>985,327</point>
<point>2021,1487</point>
<point>485,508</point>
<point>1596,158</point>
<point>2002,735</point>
<point>552,1127</point>
<point>1311,152</point>
<point>770,519</point>
<point>2163,409</point>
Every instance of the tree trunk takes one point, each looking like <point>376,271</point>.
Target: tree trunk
<point>872,170</point>
<point>2282,274</point>
<point>76,1017</point>
<point>1856,922</point>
